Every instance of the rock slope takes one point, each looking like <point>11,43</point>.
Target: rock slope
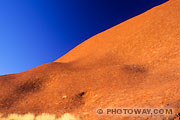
<point>132,65</point>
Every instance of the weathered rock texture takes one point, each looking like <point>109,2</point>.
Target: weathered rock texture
<point>134,64</point>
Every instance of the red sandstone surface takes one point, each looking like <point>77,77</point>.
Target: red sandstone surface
<point>134,64</point>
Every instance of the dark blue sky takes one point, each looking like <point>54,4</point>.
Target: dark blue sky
<point>34,32</point>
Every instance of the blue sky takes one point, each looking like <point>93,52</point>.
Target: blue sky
<point>34,32</point>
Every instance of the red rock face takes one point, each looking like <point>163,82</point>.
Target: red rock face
<point>134,64</point>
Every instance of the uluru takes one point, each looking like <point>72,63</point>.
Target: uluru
<point>133,65</point>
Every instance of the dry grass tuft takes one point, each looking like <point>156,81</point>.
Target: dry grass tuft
<point>44,116</point>
<point>68,116</point>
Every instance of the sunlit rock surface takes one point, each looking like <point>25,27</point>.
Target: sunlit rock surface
<point>135,64</point>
